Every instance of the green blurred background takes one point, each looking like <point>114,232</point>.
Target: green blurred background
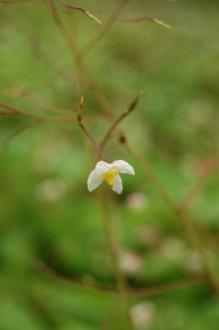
<point>46,212</point>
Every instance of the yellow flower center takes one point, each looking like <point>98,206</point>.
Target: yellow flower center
<point>110,176</point>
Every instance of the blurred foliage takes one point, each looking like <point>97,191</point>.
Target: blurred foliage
<point>45,209</point>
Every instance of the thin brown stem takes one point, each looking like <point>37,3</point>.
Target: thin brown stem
<point>168,287</point>
<point>14,2</point>
<point>115,256</point>
<point>100,96</point>
<point>118,121</point>
<point>87,134</point>
<point>143,19</point>
<point>188,224</point>
<point>188,199</point>
<point>78,59</point>
<point>196,240</point>
<point>106,27</point>
<point>82,10</point>
<point>10,110</point>
<point>11,136</point>
<point>109,318</point>
<point>196,188</point>
<point>44,58</point>
<point>148,169</point>
<point>49,272</point>
<point>68,39</point>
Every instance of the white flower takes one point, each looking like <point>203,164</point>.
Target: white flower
<point>143,315</point>
<point>110,173</point>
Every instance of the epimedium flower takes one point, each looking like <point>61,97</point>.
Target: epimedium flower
<point>109,172</point>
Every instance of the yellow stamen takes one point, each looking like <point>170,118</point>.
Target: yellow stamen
<point>110,176</point>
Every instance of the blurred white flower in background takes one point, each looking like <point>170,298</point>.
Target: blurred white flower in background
<point>137,201</point>
<point>149,235</point>
<point>193,263</point>
<point>130,262</point>
<point>51,190</point>
<point>174,249</point>
<point>109,172</point>
<point>143,315</point>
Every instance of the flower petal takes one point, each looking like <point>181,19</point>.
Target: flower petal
<point>118,187</point>
<point>93,180</point>
<point>102,167</point>
<point>124,167</point>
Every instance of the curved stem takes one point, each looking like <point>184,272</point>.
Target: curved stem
<point>115,256</point>
<point>190,228</point>
<point>106,27</point>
